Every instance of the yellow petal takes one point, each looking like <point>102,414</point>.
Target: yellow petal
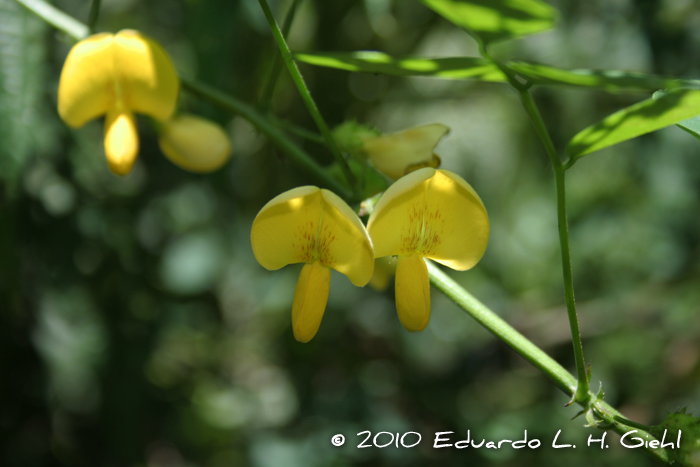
<point>310,298</point>
<point>307,224</point>
<point>126,71</point>
<point>194,143</point>
<point>384,269</point>
<point>121,141</point>
<point>86,87</point>
<point>432,213</point>
<point>400,153</point>
<point>412,292</point>
<point>148,80</point>
<point>343,241</point>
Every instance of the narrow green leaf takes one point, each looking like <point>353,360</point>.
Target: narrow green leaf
<point>495,20</point>
<point>610,80</point>
<point>638,119</point>
<point>378,62</point>
<point>691,125</point>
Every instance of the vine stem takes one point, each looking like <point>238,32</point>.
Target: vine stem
<point>536,356</point>
<point>305,94</point>
<point>581,395</point>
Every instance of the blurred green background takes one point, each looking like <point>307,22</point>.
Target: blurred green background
<point>137,329</point>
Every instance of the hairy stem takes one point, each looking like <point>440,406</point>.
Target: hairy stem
<point>305,94</point>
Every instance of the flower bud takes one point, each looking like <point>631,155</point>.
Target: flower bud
<point>194,143</point>
<point>396,154</point>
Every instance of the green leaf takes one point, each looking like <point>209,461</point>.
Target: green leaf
<point>636,120</point>
<point>691,125</point>
<point>23,115</point>
<point>496,20</point>
<point>378,62</point>
<point>610,80</point>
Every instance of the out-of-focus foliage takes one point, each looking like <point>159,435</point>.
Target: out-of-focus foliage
<point>23,69</point>
<point>136,328</point>
<point>495,20</point>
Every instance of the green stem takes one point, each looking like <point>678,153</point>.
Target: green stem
<point>94,14</point>
<point>582,393</point>
<point>299,131</point>
<point>57,18</point>
<point>275,135</point>
<point>305,94</point>
<point>533,354</point>
<point>266,98</point>
<point>502,330</point>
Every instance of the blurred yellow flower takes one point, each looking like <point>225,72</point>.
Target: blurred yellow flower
<point>313,226</point>
<point>194,143</point>
<point>398,154</point>
<point>431,214</point>
<point>116,75</point>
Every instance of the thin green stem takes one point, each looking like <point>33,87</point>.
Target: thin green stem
<point>299,131</point>
<point>275,135</point>
<point>305,94</point>
<point>502,329</point>
<point>57,18</point>
<point>269,89</point>
<point>533,354</point>
<point>581,395</point>
<point>94,15</point>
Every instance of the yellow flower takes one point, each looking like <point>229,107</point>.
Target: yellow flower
<point>194,143</point>
<point>397,154</point>
<point>313,226</point>
<point>431,214</point>
<point>116,75</point>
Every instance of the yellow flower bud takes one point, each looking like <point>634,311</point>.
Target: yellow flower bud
<point>430,214</point>
<point>313,226</point>
<point>116,75</point>
<point>194,143</point>
<point>400,153</point>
